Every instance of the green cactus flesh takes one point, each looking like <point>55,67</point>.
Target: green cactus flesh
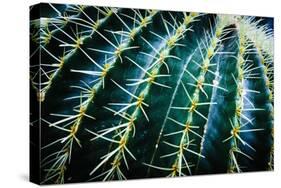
<point>128,93</point>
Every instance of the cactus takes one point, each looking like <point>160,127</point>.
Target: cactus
<point>128,93</point>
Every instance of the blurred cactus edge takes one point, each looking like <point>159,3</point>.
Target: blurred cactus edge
<point>119,93</point>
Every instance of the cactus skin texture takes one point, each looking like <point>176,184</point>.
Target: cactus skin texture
<point>126,93</point>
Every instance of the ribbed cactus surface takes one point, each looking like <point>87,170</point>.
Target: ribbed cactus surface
<point>127,93</point>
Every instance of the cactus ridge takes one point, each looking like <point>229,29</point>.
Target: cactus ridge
<point>128,93</point>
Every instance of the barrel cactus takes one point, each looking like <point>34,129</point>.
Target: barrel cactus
<point>126,93</point>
